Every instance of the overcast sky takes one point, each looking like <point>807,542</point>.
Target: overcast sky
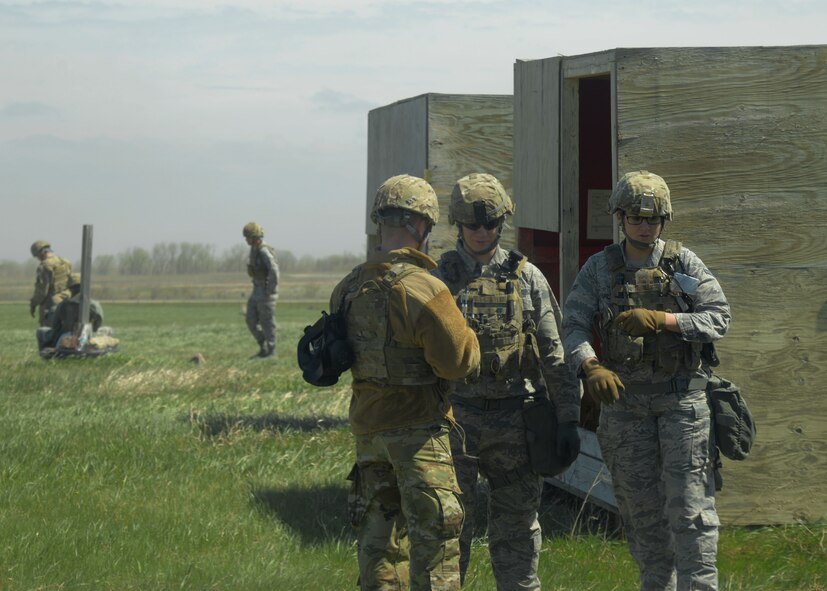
<point>181,120</point>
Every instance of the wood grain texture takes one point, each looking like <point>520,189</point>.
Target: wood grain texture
<point>536,143</point>
<point>466,134</point>
<point>569,185</point>
<point>740,135</point>
<point>397,144</point>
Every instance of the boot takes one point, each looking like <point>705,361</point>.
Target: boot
<point>268,351</point>
<point>262,351</point>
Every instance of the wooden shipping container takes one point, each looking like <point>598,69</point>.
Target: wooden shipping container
<point>740,135</point>
<point>440,137</point>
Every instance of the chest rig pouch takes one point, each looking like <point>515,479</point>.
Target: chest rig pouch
<point>493,308</point>
<point>653,288</point>
<point>378,356</point>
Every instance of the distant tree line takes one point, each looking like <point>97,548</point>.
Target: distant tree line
<point>186,258</point>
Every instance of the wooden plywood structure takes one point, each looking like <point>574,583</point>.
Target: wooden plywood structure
<point>440,137</point>
<point>740,135</point>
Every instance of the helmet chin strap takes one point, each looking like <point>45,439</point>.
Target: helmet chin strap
<point>487,249</point>
<point>646,245</point>
<point>420,238</point>
<point>641,245</point>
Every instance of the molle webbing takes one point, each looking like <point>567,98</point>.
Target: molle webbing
<point>60,276</point>
<point>682,384</point>
<point>650,288</point>
<point>379,357</point>
<point>493,308</point>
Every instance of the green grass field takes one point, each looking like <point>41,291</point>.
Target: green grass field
<point>143,470</point>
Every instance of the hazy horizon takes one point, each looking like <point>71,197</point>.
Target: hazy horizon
<point>182,120</point>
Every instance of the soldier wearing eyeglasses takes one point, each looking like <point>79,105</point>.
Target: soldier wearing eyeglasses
<point>510,306</point>
<point>656,309</point>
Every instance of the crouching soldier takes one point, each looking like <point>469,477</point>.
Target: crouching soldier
<point>65,337</point>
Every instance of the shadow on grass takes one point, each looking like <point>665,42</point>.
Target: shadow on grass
<point>215,425</point>
<point>317,515</point>
<point>561,514</point>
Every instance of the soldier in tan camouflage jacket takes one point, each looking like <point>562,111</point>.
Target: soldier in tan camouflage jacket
<point>408,338</point>
<point>50,287</point>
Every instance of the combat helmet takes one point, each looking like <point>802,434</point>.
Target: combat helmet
<point>479,198</point>
<point>39,245</point>
<point>407,193</point>
<point>73,280</point>
<point>253,230</point>
<point>641,193</point>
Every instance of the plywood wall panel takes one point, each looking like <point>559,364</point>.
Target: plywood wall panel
<point>740,134</point>
<point>466,134</point>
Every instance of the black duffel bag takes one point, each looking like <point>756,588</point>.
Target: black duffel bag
<point>323,352</point>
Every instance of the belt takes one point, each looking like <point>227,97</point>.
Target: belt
<point>514,403</point>
<point>673,385</point>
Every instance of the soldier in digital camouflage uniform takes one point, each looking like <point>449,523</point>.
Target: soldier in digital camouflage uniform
<point>50,284</point>
<point>656,308</point>
<point>509,304</point>
<point>408,338</point>
<point>263,268</point>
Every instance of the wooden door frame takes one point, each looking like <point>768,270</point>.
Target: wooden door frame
<point>572,71</point>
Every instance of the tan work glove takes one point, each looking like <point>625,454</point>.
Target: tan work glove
<point>600,383</point>
<point>640,321</point>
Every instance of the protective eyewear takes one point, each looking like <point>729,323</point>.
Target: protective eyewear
<point>636,220</point>
<point>487,225</point>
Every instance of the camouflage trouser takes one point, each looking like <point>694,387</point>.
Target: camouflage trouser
<point>495,445</point>
<point>404,502</point>
<point>657,450</point>
<point>261,318</point>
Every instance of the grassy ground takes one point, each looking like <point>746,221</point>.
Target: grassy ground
<point>215,286</point>
<point>144,470</point>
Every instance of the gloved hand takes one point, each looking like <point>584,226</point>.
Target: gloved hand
<point>32,309</point>
<point>601,384</point>
<point>568,442</point>
<point>640,321</point>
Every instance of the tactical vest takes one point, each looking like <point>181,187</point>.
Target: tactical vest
<point>61,269</point>
<point>378,356</point>
<point>255,268</point>
<point>493,308</point>
<point>653,288</point>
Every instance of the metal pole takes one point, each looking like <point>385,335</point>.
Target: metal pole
<point>85,277</point>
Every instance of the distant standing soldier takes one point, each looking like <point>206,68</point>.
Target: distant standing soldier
<point>261,305</point>
<point>50,286</point>
<point>510,306</point>
<point>656,308</point>
<point>408,337</point>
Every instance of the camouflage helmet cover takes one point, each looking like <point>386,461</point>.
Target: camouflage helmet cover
<point>73,280</point>
<point>409,193</point>
<point>39,245</point>
<point>253,230</point>
<point>642,193</point>
<point>479,198</point>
